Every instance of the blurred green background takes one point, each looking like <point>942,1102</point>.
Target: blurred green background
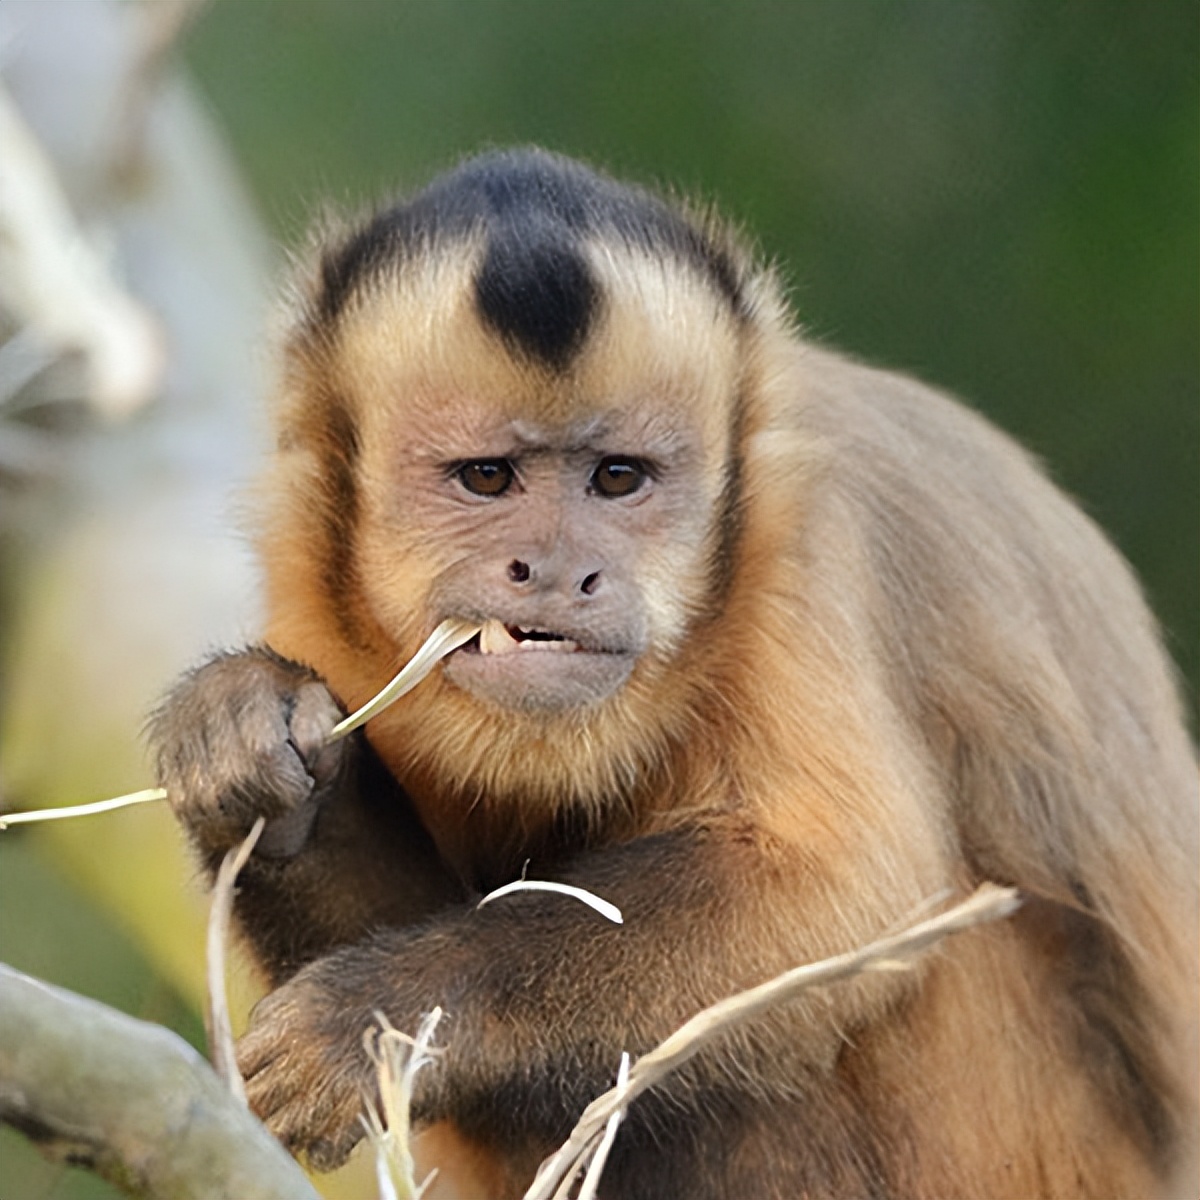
<point>1001,197</point>
<point>998,196</point>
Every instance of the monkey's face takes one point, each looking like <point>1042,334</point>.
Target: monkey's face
<point>573,512</point>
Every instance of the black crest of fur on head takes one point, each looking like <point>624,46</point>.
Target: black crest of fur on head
<point>535,210</point>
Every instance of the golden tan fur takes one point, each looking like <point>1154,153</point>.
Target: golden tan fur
<point>923,668</point>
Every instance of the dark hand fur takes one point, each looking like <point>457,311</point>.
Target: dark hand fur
<point>246,735</point>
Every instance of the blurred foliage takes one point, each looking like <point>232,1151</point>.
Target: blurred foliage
<point>1001,198</point>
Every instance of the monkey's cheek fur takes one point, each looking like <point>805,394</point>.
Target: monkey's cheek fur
<point>540,680</point>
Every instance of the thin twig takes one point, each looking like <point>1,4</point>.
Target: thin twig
<point>220,1029</point>
<point>398,1057</point>
<point>146,796</point>
<point>988,903</point>
<point>448,636</point>
<point>591,1181</point>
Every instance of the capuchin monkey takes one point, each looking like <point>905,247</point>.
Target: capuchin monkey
<point>777,648</point>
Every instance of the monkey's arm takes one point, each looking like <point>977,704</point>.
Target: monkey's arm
<point>247,735</point>
<point>543,994</point>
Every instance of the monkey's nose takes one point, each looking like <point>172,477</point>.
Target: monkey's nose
<point>520,571</point>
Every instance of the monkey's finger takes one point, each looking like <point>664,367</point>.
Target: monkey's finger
<point>263,1046</point>
<point>258,772</point>
<point>261,1069</point>
<point>220,796</point>
<point>326,1154</point>
<point>301,1096</point>
<point>313,717</point>
<point>279,782</point>
<point>320,1122</point>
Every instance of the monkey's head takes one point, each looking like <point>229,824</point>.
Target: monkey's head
<point>522,397</point>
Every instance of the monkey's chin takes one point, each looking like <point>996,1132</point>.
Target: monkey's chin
<point>540,681</point>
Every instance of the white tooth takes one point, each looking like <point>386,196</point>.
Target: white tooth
<point>557,647</point>
<point>495,639</point>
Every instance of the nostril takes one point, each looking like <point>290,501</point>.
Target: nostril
<point>589,585</point>
<point>518,571</point>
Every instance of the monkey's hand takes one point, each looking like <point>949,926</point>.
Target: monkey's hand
<point>246,736</point>
<point>307,1072</point>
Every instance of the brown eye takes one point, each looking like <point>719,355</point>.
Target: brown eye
<point>618,476</point>
<point>488,477</point>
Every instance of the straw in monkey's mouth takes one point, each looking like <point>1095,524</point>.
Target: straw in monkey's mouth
<point>447,637</point>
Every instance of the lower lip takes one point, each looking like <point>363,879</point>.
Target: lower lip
<point>538,678</point>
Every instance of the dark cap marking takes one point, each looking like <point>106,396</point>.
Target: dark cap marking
<point>536,291</point>
<point>534,209</point>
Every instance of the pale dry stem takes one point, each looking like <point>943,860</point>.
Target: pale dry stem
<point>448,636</point>
<point>220,1029</point>
<point>398,1057</point>
<point>146,796</point>
<point>604,907</point>
<point>988,903</point>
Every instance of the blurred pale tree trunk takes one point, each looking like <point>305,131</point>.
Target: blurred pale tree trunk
<point>132,284</point>
<point>119,559</point>
<point>121,563</point>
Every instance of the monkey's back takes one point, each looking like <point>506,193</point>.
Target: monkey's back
<point>1025,657</point>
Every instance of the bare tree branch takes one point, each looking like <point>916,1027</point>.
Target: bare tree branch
<point>130,1100</point>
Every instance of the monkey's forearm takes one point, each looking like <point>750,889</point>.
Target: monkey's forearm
<point>543,994</point>
<point>298,908</point>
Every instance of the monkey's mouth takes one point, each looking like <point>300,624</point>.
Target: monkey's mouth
<point>526,668</point>
<point>497,638</point>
